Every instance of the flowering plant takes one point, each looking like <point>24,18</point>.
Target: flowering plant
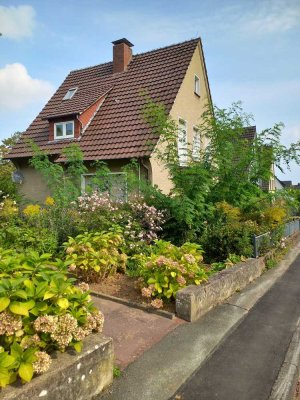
<point>139,222</point>
<point>93,256</point>
<point>169,268</point>
<point>8,208</point>
<point>32,210</point>
<point>40,310</point>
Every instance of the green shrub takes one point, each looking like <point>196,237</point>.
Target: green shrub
<point>40,311</point>
<point>139,222</point>
<point>22,237</point>
<point>93,256</point>
<point>231,260</point>
<point>221,238</point>
<point>169,268</point>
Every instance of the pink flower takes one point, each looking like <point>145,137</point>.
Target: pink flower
<point>157,303</point>
<point>146,292</point>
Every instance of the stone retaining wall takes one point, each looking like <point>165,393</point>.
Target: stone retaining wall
<point>71,376</point>
<point>194,301</point>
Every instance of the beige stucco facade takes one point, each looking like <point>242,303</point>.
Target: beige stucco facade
<point>33,186</point>
<point>189,107</point>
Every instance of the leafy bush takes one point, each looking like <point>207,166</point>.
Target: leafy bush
<point>140,223</point>
<point>220,239</point>
<point>22,237</point>
<point>8,209</point>
<point>231,260</point>
<point>169,268</point>
<point>93,256</point>
<point>40,311</point>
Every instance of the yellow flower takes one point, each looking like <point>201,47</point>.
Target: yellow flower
<point>8,208</point>
<point>32,210</point>
<point>49,201</point>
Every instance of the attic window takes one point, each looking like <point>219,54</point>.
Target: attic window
<point>64,130</point>
<point>70,93</point>
<point>197,85</point>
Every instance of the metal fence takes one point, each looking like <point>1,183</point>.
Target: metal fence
<point>266,241</point>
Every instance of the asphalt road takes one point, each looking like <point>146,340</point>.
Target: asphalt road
<point>246,364</point>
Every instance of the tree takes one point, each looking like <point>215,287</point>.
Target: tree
<point>227,170</point>
<point>7,186</point>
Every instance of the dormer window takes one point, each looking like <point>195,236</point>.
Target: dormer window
<point>197,85</point>
<point>64,130</point>
<point>70,93</point>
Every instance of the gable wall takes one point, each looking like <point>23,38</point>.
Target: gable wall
<point>189,107</point>
<point>86,116</point>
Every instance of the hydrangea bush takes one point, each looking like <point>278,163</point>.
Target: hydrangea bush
<point>40,311</point>
<point>168,269</point>
<point>95,255</point>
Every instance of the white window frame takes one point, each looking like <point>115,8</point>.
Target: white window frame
<point>64,124</point>
<point>182,142</point>
<point>197,85</point>
<point>83,182</point>
<point>66,97</point>
<point>197,143</point>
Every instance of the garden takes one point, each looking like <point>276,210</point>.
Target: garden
<point>144,248</point>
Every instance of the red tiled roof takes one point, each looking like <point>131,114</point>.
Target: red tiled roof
<point>117,130</point>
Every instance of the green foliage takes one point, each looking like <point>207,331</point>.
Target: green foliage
<point>227,169</point>
<point>40,311</point>
<point>62,180</point>
<point>93,256</point>
<point>220,239</point>
<point>7,186</point>
<point>22,237</point>
<point>117,372</point>
<point>231,260</point>
<point>169,268</point>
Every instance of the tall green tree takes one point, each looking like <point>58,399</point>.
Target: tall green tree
<point>7,186</point>
<point>228,169</point>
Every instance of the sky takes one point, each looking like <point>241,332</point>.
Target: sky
<point>252,51</point>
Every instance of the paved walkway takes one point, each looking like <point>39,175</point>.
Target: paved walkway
<point>134,331</point>
<point>234,352</point>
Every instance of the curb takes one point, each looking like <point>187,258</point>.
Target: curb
<point>162,313</point>
<point>286,382</point>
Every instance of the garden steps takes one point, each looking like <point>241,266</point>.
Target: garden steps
<point>187,350</point>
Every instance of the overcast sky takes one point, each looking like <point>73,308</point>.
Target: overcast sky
<point>252,50</point>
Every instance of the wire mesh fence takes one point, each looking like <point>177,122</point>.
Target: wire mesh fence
<point>266,241</point>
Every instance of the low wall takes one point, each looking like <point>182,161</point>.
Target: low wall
<point>194,301</point>
<point>71,376</point>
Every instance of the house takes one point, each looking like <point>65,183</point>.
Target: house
<point>100,108</point>
<point>289,184</point>
<point>273,183</point>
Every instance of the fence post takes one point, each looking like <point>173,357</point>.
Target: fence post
<point>255,249</point>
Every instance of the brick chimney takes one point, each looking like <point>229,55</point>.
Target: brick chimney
<point>122,54</point>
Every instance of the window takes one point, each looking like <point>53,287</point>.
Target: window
<point>182,142</point>
<point>64,130</point>
<point>196,144</point>
<point>197,85</point>
<point>70,93</point>
<point>115,183</point>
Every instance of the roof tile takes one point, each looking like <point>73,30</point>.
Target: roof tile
<point>118,129</point>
